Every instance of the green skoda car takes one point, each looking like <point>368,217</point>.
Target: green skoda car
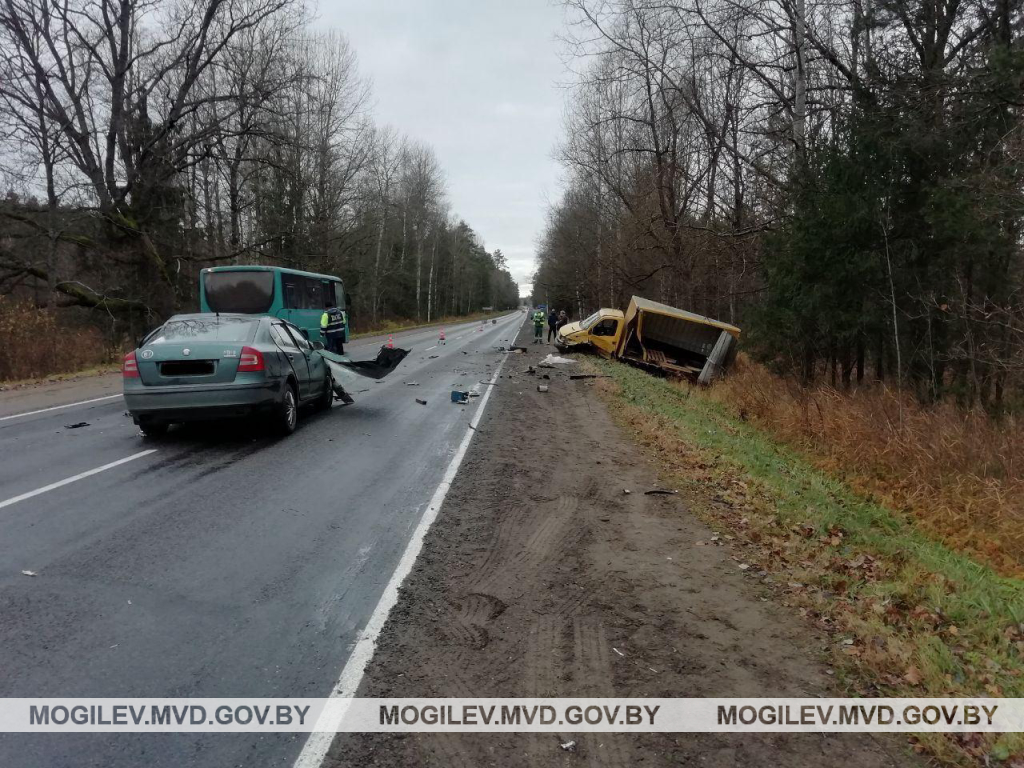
<point>213,366</point>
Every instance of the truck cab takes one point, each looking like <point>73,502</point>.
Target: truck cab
<point>602,330</point>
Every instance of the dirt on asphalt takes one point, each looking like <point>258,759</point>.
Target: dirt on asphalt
<point>542,578</point>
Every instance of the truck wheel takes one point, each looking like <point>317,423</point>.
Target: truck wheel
<point>286,414</point>
<point>326,400</point>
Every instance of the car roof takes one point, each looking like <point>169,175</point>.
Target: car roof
<point>215,315</point>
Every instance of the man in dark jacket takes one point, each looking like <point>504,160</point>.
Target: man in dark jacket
<point>552,323</point>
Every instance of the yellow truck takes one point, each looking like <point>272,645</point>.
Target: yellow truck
<point>657,337</point>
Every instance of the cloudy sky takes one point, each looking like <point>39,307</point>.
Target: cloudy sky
<point>478,80</point>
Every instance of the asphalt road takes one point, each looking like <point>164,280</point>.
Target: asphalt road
<point>225,562</point>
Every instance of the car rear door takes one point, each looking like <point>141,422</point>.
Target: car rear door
<point>317,366</point>
<point>295,356</point>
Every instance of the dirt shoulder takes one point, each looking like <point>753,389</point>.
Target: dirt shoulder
<point>542,577</point>
<point>34,395</point>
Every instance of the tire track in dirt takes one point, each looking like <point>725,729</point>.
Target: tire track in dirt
<point>544,669</point>
<point>594,673</point>
<point>528,546</point>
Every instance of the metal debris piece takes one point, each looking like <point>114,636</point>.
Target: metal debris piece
<point>29,573</point>
<point>421,402</point>
<point>78,425</point>
<point>660,492</point>
<point>542,387</point>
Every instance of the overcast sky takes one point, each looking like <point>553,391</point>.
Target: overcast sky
<point>478,81</point>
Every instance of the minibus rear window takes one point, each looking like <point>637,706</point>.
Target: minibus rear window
<point>248,292</point>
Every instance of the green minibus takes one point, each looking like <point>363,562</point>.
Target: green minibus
<point>295,296</point>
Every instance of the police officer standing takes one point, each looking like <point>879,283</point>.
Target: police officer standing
<point>538,326</point>
<point>332,326</point>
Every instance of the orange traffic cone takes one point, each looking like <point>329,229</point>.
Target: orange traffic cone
<point>441,339</point>
<point>391,342</point>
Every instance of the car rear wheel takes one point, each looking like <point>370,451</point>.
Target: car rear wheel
<point>154,428</point>
<point>286,416</point>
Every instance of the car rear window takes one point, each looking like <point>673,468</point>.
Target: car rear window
<point>226,329</point>
<point>247,292</point>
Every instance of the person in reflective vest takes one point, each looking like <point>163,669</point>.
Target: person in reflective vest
<point>332,326</point>
<point>538,326</point>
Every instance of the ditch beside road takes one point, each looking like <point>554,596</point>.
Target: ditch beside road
<point>542,577</point>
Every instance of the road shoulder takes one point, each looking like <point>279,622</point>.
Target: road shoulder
<point>25,397</point>
<point>543,577</point>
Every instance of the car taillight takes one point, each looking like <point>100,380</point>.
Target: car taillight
<point>130,367</point>
<point>250,360</point>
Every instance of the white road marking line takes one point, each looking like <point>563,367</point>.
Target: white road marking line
<point>58,407</point>
<point>315,749</point>
<point>75,478</point>
<point>430,348</point>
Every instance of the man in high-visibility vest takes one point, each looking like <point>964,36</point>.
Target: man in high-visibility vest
<point>332,326</point>
<point>538,326</point>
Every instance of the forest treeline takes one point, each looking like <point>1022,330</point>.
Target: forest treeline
<point>144,139</point>
<point>842,179</point>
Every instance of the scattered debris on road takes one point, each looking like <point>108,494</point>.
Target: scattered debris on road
<point>660,492</point>
<point>421,402</point>
<point>542,387</point>
<point>552,360</point>
<point>78,425</point>
<point>569,746</point>
<point>29,573</point>
<point>459,396</point>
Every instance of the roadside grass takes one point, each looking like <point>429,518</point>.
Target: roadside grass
<point>959,472</point>
<point>393,326</point>
<point>906,614</point>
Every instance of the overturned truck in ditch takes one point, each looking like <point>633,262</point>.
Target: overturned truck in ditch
<point>657,337</point>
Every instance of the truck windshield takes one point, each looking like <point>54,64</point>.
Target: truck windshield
<point>249,292</point>
<point>586,324</point>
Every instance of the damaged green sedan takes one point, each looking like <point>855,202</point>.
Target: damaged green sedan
<point>214,366</point>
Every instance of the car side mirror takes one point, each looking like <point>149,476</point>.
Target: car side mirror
<point>318,345</point>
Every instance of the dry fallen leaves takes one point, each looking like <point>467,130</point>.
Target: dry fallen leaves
<point>913,676</point>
